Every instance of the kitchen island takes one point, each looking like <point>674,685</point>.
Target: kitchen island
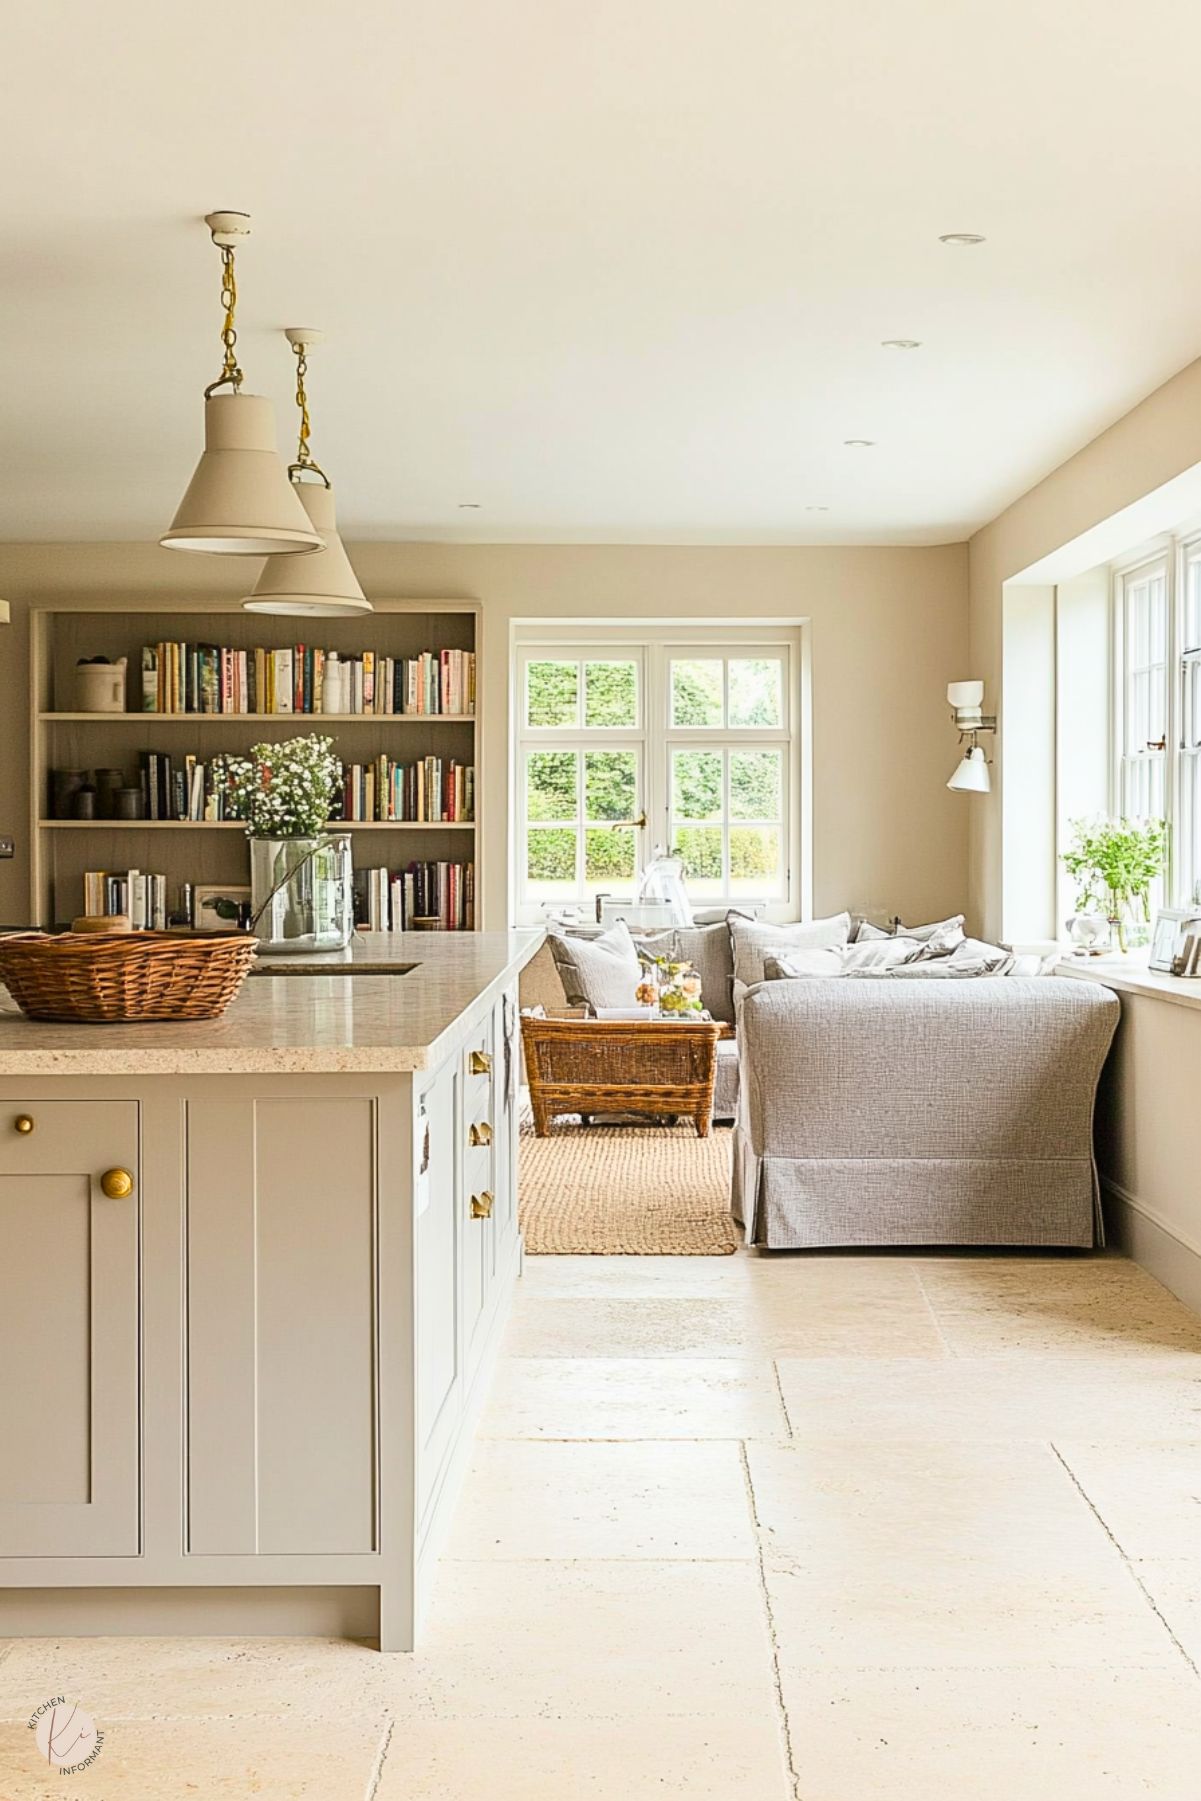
<point>253,1272</point>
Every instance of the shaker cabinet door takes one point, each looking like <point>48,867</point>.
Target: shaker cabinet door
<point>69,1198</point>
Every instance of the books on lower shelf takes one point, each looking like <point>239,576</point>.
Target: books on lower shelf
<point>401,900</point>
<point>305,679</point>
<point>433,790</point>
<point>137,893</point>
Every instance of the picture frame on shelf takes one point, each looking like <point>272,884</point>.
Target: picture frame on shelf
<point>1171,937</point>
<point>220,906</point>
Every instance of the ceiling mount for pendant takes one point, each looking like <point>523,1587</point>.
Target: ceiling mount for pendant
<point>239,502</point>
<point>324,585</point>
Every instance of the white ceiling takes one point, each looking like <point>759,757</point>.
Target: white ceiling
<point>615,271</point>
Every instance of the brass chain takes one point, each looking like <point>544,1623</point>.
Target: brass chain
<point>229,300</point>
<point>306,463</point>
<point>303,454</point>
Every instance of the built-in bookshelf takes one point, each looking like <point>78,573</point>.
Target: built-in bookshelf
<point>212,851</point>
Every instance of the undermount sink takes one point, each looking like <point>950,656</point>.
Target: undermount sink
<point>324,966</point>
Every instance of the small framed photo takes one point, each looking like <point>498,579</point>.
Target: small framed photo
<point>1168,939</point>
<point>220,907</point>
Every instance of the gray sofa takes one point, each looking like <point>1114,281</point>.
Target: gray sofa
<point>875,1113</point>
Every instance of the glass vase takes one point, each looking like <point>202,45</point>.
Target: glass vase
<point>301,893</point>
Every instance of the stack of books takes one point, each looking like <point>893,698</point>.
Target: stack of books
<point>183,788</point>
<point>432,789</point>
<point>216,678</point>
<point>137,893</point>
<point>397,902</point>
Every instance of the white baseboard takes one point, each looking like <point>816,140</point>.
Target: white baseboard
<point>1143,1235</point>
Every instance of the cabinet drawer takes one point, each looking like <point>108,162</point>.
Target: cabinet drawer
<point>46,1138</point>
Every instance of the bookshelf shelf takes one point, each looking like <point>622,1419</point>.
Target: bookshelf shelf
<point>308,720</point>
<point>238,825</point>
<point>65,738</point>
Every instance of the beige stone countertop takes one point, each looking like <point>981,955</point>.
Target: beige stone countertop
<point>331,1022</point>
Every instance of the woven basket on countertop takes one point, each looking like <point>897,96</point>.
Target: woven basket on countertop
<point>125,975</point>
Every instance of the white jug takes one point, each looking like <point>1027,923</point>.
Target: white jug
<point>100,687</point>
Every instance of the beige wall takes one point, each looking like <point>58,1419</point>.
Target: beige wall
<point>888,631</point>
<point>1150,446</point>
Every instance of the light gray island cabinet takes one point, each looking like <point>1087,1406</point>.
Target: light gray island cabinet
<point>252,1276</point>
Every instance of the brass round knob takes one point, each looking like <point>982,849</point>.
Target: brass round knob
<point>116,1184</point>
<point>23,1123</point>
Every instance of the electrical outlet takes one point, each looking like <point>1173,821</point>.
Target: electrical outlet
<point>7,847</point>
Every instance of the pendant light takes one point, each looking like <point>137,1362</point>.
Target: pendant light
<point>239,502</point>
<point>325,584</point>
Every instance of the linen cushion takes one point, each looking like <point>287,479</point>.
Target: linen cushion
<point>803,965</point>
<point>753,941</point>
<point>597,972</point>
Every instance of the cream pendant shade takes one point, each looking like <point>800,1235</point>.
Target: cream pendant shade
<point>972,776</point>
<point>323,585</point>
<point>240,502</point>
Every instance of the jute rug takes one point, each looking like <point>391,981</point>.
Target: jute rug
<point>626,1191</point>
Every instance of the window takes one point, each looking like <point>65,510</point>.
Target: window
<point>627,745</point>
<point>1157,724</point>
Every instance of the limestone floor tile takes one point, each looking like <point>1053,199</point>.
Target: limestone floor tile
<point>1103,1307</point>
<point>895,1323</point>
<point>639,1499</point>
<point>995,1735</point>
<point>1175,1588</point>
<point>986,1398</point>
<point>1148,1493</point>
<point>793,1275</point>
<point>634,1397</point>
<point>229,1760</point>
<point>623,1640</point>
<point>212,1678</point>
<point>666,1759</point>
<point>942,1555</point>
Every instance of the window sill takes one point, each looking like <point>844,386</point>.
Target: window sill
<point>1130,975</point>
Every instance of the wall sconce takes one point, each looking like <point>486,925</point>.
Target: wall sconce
<point>967,699</point>
<point>4,612</point>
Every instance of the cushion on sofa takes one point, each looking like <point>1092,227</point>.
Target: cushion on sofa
<point>597,972</point>
<point>753,941</point>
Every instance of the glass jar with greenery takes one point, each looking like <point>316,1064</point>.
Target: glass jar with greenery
<point>301,889</point>
<point>1115,863</point>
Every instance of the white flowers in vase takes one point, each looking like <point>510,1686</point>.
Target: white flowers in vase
<point>284,790</point>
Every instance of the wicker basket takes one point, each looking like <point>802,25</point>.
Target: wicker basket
<point>123,975</point>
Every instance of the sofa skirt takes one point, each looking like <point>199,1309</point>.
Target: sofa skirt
<point>794,1204</point>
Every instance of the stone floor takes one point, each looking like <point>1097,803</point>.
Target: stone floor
<point>748,1529</point>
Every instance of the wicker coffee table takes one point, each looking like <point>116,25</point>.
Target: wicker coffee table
<point>651,1066</point>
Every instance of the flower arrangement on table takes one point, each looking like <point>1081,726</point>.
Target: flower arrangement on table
<point>300,872</point>
<point>675,988</point>
<point>1115,862</point>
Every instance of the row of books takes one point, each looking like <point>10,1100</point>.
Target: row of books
<point>430,789</point>
<point>304,678</point>
<point>137,893</point>
<point>400,901</point>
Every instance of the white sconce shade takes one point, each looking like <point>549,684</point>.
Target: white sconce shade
<point>324,585</point>
<point>5,615</point>
<point>972,776</point>
<point>240,502</point>
<point>967,700</point>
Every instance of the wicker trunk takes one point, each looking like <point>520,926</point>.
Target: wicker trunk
<point>649,1066</point>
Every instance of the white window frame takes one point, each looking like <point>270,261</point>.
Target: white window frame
<point>1179,560</point>
<point>655,738</point>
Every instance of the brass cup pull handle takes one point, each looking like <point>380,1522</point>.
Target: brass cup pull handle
<point>480,1133</point>
<point>23,1124</point>
<point>116,1184</point>
<point>479,1063</point>
<point>481,1205</point>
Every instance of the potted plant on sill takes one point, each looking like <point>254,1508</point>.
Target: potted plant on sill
<point>1115,862</point>
<point>301,893</point>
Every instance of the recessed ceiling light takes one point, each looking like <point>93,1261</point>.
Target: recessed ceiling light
<point>817,509</point>
<point>900,343</point>
<point>961,237</point>
<point>469,506</point>
<point>860,443</point>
